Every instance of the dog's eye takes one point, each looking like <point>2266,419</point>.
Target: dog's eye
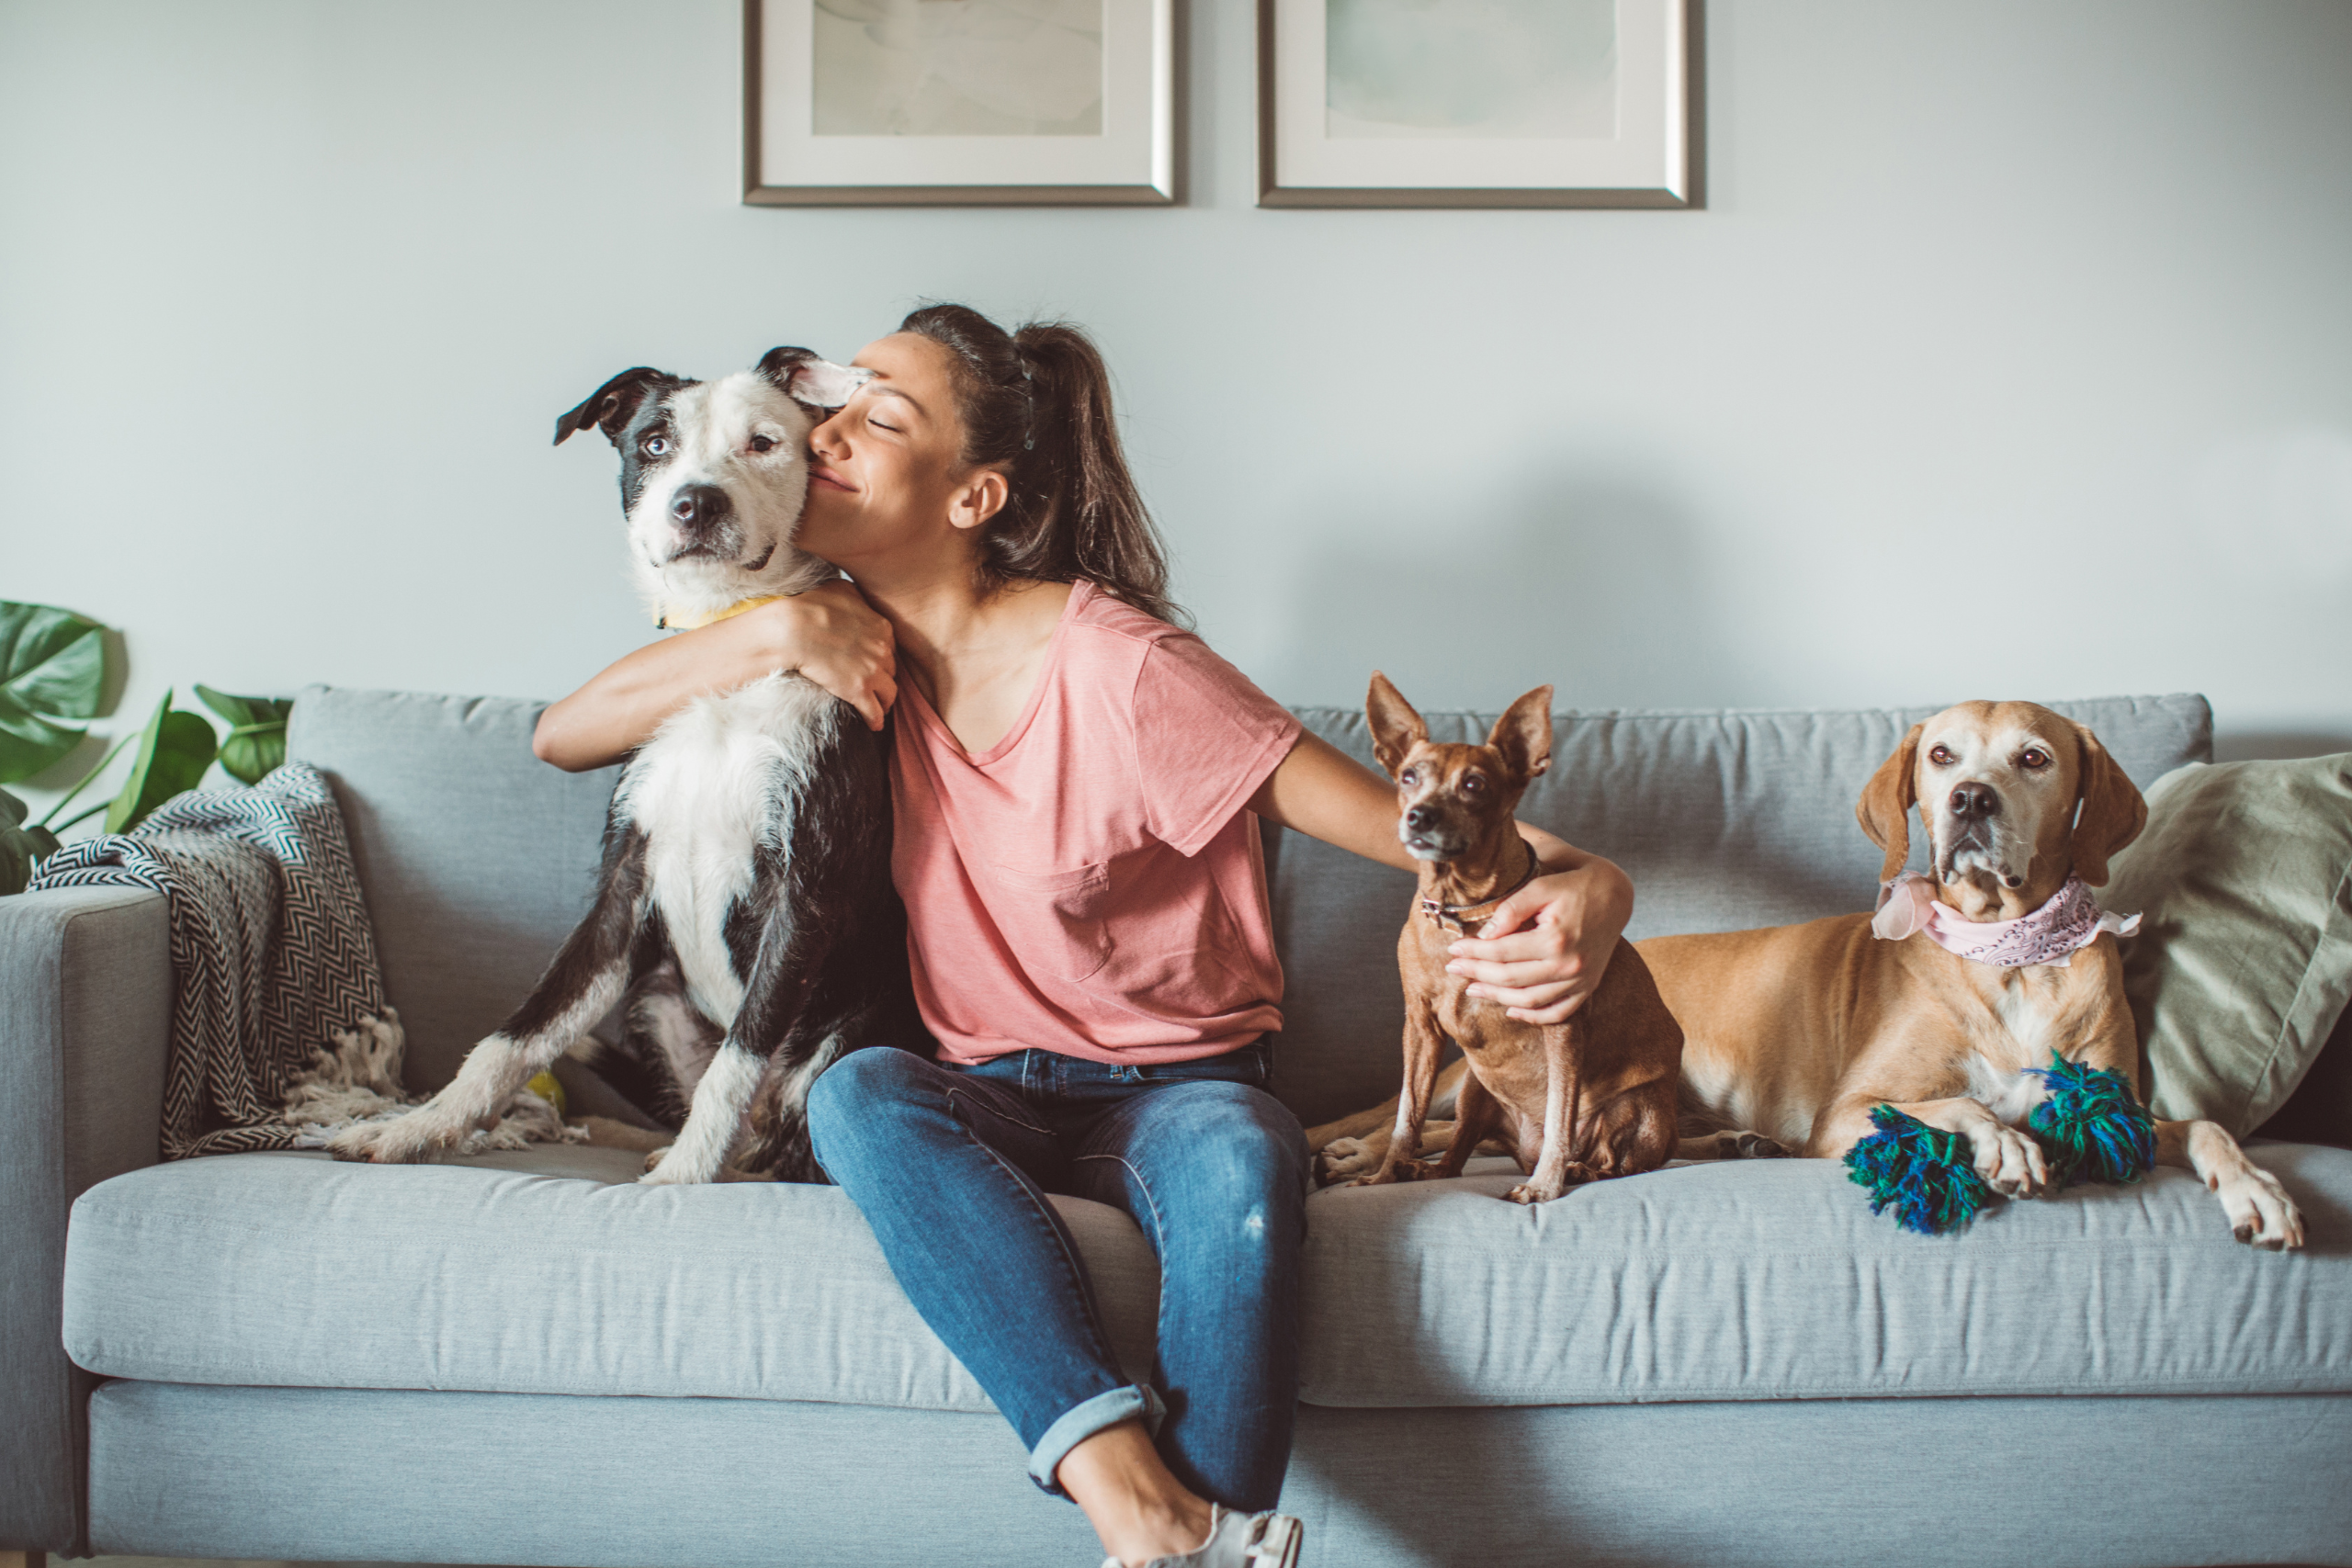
<point>654,445</point>
<point>763,443</point>
<point>2035,757</point>
<point>1472,784</point>
<point>1941,757</point>
<point>1409,776</point>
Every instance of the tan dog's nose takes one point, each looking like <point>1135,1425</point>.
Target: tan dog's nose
<point>1974,802</point>
<point>1420,817</point>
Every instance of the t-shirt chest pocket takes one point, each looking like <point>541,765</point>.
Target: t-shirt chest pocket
<point>1054,919</point>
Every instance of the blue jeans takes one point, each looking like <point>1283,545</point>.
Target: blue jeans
<point>951,1166</point>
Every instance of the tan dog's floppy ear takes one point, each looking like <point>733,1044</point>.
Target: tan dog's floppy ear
<point>1395,728</point>
<point>2112,815</point>
<point>1523,734</point>
<point>1884,810</point>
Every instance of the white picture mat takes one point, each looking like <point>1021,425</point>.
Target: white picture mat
<point>1135,148</point>
<point>1653,88</point>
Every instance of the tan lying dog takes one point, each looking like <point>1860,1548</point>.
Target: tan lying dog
<point>1794,1034</point>
<point>1577,1101</point>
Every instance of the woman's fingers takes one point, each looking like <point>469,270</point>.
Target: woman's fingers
<point>1537,956</point>
<point>832,636</point>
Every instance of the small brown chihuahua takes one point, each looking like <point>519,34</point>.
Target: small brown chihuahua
<point>1576,1102</point>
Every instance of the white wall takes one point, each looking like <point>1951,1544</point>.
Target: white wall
<point>2011,356</point>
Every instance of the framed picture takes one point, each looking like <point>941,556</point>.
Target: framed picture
<point>881,102</point>
<point>1478,103</point>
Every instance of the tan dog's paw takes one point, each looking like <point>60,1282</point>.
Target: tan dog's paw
<point>1343,1158</point>
<point>2261,1214</point>
<point>2009,1161</point>
<point>653,1157</point>
<point>1417,1170</point>
<point>1532,1192</point>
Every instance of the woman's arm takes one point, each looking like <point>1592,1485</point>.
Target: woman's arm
<point>1543,950</point>
<point>827,634</point>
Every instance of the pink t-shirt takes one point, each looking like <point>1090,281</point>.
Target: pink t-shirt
<point>1092,884</point>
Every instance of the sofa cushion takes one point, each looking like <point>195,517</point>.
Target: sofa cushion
<point>1772,1280</point>
<point>2244,880</point>
<point>544,1271</point>
<point>1724,821</point>
<point>548,1272</point>
<point>476,857</point>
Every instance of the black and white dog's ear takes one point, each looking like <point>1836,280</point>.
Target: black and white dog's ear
<point>614,404</point>
<point>805,378</point>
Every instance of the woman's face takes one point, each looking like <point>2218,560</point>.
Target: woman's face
<point>888,488</point>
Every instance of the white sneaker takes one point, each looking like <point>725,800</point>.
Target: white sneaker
<point>1238,1540</point>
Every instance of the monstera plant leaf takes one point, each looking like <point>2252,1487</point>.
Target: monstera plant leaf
<point>257,739</point>
<point>52,667</point>
<point>174,750</point>
<point>19,845</point>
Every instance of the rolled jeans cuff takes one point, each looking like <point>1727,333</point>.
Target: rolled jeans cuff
<point>1081,1421</point>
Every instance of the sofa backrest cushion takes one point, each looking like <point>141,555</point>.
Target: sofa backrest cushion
<point>1724,821</point>
<point>478,858</point>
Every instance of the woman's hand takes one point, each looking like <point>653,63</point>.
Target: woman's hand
<point>832,636</point>
<point>1544,949</point>
<point>828,634</point>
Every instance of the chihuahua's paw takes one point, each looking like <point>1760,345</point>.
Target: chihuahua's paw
<point>1535,1191</point>
<point>1344,1158</point>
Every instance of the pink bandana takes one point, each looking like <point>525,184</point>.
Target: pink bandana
<point>2071,920</point>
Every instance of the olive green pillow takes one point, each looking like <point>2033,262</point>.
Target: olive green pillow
<point>2244,960</point>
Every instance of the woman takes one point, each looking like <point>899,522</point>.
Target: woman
<point>1074,783</point>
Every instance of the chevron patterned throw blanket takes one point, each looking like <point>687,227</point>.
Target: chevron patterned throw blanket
<point>280,1034</point>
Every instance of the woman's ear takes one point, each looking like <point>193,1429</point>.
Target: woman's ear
<point>1884,810</point>
<point>978,499</point>
<point>2112,814</point>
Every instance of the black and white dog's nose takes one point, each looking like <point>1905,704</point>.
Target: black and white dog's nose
<point>699,507</point>
<point>1974,802</point>
<point>1420,817</point>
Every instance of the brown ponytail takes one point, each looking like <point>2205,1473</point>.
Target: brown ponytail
<point>1036,404</point>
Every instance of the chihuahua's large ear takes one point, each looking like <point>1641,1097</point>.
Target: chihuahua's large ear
<point>1395,728</point>
<point>1884,810</point>
<point>805,378</point>
<point>1523,734</point>
<point>2112,814</point>
<point>611,406</point>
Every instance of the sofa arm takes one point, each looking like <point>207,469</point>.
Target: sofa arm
<point>86,1015</point>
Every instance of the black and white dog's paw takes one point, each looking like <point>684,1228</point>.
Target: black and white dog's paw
<point>400,1140</point>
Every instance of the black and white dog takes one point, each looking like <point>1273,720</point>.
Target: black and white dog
<point>744,913</point>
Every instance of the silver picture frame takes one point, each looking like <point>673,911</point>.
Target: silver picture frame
<point>1310,155</point>
<point>828,122</point>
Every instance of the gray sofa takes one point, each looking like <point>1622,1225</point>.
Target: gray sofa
<point>525,1359</point>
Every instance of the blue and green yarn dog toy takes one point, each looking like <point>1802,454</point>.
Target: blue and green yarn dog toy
<point>2091,1128</point>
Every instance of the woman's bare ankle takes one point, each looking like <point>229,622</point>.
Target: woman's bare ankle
<point>1137,1507</point>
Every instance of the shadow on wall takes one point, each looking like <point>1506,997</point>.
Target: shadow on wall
<point>1597,588</point>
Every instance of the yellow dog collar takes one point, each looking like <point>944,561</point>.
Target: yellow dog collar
<point>686,620</point>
